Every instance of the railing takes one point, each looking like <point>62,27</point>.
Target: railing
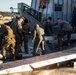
<point>34,13</point>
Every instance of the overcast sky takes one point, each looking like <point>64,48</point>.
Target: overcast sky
<point>6,4</point>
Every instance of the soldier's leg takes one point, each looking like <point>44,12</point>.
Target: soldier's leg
<point>42,47</point>
<point>37,44</point>
<point>40,39</point>
<point>35,47</point>
<point>26,44</point>
<point>68,37</point>
<point>61,34</point>
<point>4,47</point>
<point>59,43</point>
<point>13,50</point>
<point>26,47</point>
<point>18,47</point>
<point>4,52</point>
<point>0,42</point>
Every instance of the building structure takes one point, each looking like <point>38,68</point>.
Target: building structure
<point>55,8</point>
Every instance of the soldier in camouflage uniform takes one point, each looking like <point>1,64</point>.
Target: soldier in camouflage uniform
<point>39,40</point>
<point>64,29</point>
<point>48,27</point>
<point>9,41</point>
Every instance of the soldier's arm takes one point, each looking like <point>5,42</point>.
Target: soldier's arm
<point>34,36</point>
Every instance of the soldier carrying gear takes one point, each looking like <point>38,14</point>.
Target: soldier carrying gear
<point>65,26</point>
<point>39,41</point>
<point>9,41</point>
<point>48,26</point>
<point>64,29</point>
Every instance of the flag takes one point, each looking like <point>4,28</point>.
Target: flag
<point>43,3</point>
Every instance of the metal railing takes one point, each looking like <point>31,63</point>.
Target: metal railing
<point>34,13</point>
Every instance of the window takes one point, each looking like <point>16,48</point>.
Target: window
<point>58,7</point>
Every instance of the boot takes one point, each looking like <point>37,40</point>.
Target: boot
<point>43,52</point>
<point>4,59</point>
<point>13,57</point>
<point>26,52</point>
<point>60,48</point>
<point>18,56</point>
<point>68,44</point>
<point>36,54</point>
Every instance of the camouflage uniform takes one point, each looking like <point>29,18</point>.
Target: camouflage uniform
<point>47,25</point>
<point>9,40</point>
<point>62,32</point>
<point>39,40</point>
<point>48,29</point>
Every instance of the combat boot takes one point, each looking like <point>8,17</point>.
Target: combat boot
<point>13,57</point>
<point>60,48</point>
<point>36,54</point>
<point>68,44</point>
<point>26,52</point>
<point>18,56</point>
<point>4,59</point>
<point>43,52</point>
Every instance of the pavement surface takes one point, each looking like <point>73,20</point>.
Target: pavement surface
<point>49,48</point>
<point>63,69</point>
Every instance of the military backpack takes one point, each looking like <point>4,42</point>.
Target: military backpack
<point>66,26</point>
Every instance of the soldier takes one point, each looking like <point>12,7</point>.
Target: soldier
<point>43,22</point>
<point>48,27</point>
<point>73,21</point>
<point>39,41</point>
<point>64,29</point>
<point>9,40</point>
<point>26,32</point>
<point>0,38</point>
<point>17,28</point>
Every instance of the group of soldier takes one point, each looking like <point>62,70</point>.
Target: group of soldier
<point>45,28</point>
<point>18,31</point>
<point>11,37</point>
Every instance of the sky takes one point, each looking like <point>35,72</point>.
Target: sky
<point>6,4</point>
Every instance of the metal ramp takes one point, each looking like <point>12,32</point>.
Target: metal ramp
<point>29,13</point>
<point>36,62</point>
